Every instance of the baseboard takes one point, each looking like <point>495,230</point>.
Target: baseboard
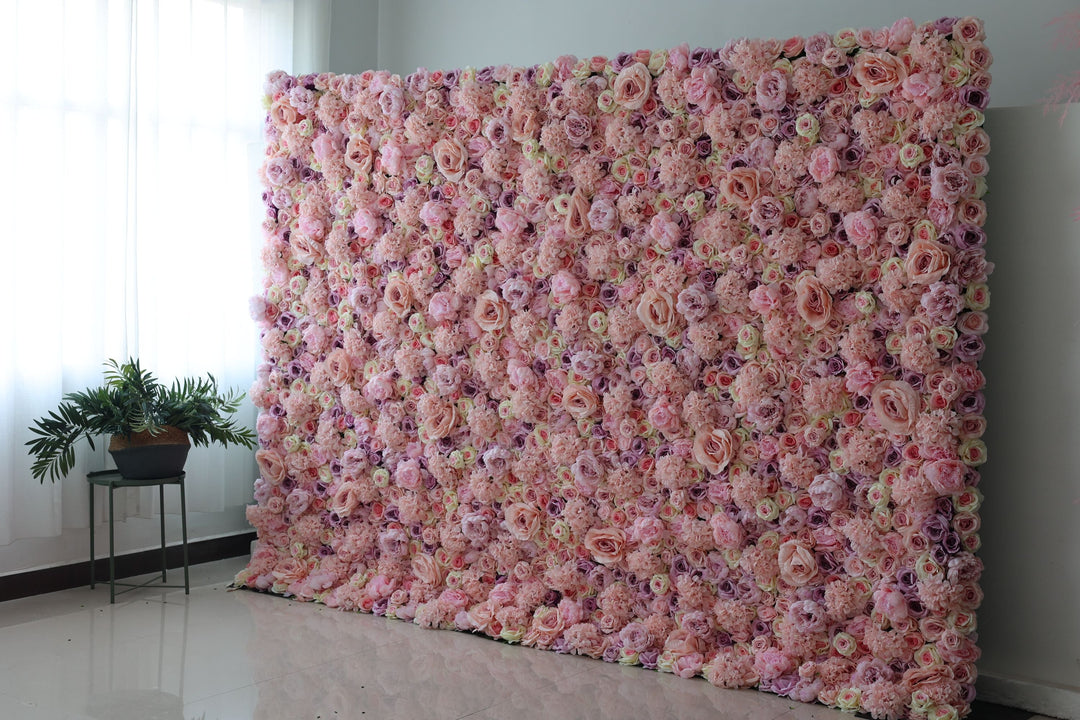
<point>63,577</point>
<point>1058,701</point>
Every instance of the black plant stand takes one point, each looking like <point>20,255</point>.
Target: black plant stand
<point>112,479</point>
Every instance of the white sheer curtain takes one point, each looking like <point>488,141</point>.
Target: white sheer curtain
<point>132,133</point>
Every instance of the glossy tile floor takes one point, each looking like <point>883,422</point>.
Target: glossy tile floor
<point>219,654</point>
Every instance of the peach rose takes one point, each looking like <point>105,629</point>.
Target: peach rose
<point>282,113</point>
<point>358,155</point>
<point>346,500</point>
<point>427,570</point>
<point>398,296</point>
<point>632,86</point>
<point>797,564</point>
<point>741,186</point>
<point>927,262</point>
<point>438,416</point>
<point>577,217</point>
<point>814,301</point>
<point>579,401</point>
<point>490,313</point>
<point>547,625</point>
<point>337,366</point>
<point>523,521</point>
<point>879,72</point>
<point>270,465</point>
<point>451,158</point>
<point>897,406</point>
<point>605,544</point>
<point>714,449</point>
<point>656,310</point>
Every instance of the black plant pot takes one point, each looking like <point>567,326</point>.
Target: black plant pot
<point>143,457</point>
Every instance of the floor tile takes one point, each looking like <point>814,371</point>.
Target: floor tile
<point>219,654</point>
<point>594,689</point>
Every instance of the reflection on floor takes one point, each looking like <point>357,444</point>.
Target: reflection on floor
<point>230,655</point>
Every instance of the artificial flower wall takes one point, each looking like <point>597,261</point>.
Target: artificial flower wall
<point>667,359</point>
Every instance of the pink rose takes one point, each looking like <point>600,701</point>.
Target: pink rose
<point>434,214</point>
<point>365,224</point>
<point>564,287</point>
<point>649,532</point>
<point>922,88</point>
<point>380,587</point>
<point>713,449</point>
<point>813,301</point>
<point>969,30</point>
<point>635,637</point>
<point>665,417</point>
<point>700,87</point>
<point>827,491</point>
<point>603,214</point>
<point>879,73</point>
<point>632,86</point>
<point>451,158</point>
<point>797,564</point>
<point>444,306</point>
<point>664,230</point>
<point>510,222</point>
<point>523,521</point>
<point>949,183</point>
<point>891,603</point>
<point>490,313</point>
<point>407,474</point>
<point>393,542</point>
<point>605,544</point>
<point>391,158</point>
<point>656,310</point>
<point>861,228</point>
<point>896,405</point>
<point>767,213</point>
<point>772,89</point>
<point>771,663</point>
<point>727,534</point>
<point>520,374</point>
<point>379,387</point>
<point>476,527</point>
<point>578,128</point>
<point>927,262</point>
<point>946,476</point>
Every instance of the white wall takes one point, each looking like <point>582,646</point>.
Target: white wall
<point>1030,620</point>
<point>443,35</point>
<point>1029,623</point>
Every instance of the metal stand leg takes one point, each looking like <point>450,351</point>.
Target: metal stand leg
<point>112,551</point>
<point>91,534</point>
<point>164,559</point>
<point>183,525</point>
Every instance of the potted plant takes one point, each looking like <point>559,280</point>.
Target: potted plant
<point>151,426</point>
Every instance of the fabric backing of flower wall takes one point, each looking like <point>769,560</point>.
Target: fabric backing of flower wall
<point>668,359</point>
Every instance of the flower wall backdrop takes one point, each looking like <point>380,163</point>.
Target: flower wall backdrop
<point>667,359</point>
